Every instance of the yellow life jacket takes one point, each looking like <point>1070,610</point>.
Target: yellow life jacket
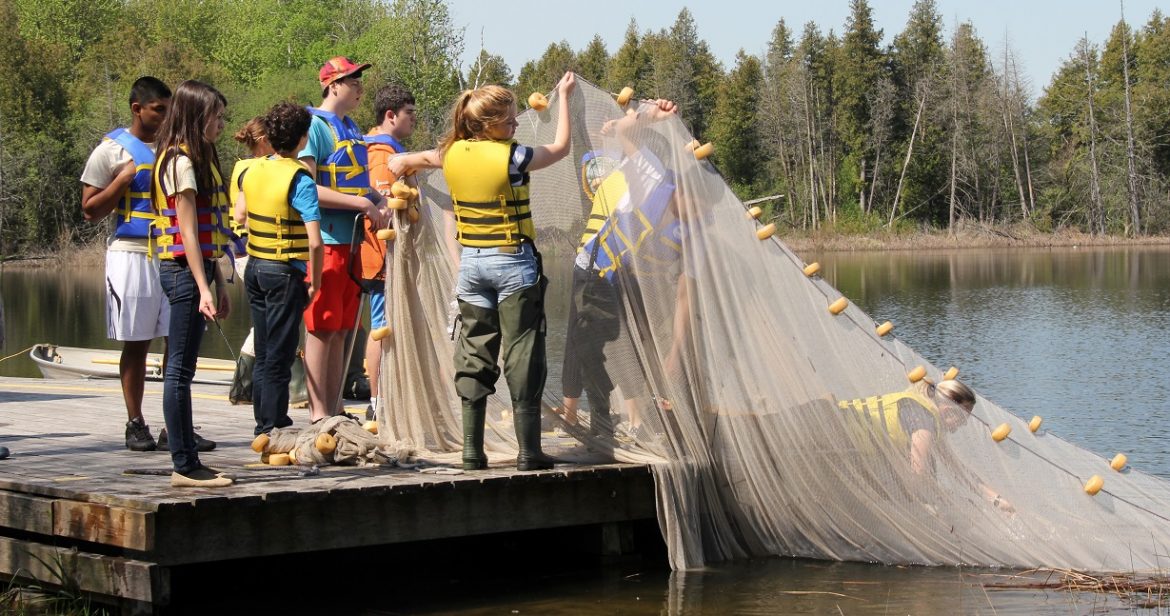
<point>605,200</point>
<point>489,211</point>
<point>275,229</point>
<point>882,414</point>
<point>242,165</point>
<point>211,214</point>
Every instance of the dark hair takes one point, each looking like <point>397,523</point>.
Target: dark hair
<point>147,90</point>
<point>391,97</point>
<point>285,124</point>
<point>193,105</point>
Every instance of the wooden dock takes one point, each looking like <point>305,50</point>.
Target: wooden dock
<point>67,502</point>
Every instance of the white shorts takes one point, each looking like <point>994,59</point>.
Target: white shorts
<point>136,307</point>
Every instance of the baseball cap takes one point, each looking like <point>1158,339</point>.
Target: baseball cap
<point>339,68</point>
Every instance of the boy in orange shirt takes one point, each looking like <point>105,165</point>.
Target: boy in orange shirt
<point>394,108</point>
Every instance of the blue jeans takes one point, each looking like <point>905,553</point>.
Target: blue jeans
<point>184,335</point>
<point>277,295</point>
<point>488,276</point>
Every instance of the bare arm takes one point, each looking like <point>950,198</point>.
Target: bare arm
<point>406,164</point>
<point>240,209</point>
<point>921,444</point>
<point>316,257</point>
<point>332,199</point>
<point>97,203</point>
<point>210,306</point>
<point>546,155</point>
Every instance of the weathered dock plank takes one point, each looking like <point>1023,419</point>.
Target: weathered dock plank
<point>66,486</point>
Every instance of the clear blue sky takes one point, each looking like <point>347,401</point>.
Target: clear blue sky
<point>1043,32</point>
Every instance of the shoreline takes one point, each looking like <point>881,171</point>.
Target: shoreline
<point>966,238</point>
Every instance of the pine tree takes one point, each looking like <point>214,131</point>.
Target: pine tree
<point>734,127</point>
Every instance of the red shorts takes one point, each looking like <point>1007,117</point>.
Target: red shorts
<point>336,305</point>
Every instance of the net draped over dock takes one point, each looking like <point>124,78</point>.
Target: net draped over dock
<point>772,424</point>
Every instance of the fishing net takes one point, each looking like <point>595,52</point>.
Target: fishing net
<point>773,425</point>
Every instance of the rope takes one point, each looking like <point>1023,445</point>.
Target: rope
<point>19,353</point>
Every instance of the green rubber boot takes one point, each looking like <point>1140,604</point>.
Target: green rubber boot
<point>474,413</point>
<point>530,457</point>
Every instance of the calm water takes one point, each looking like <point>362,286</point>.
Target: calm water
<point>1080,337</point>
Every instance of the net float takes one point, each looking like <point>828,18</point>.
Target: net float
<point>623,97</point>
<point>1094,485</point>
<point>326,443</point>
<point>1118,462</point>
<point>766,231</point>
<point>838,306</point>
<point>380,333</point>
<point>292,456</point>
<point>538,101</point>
<point>396,204</point>
<point>371,427</point>
<point>812,269</point>
<point>917,374</point>
<point>279,459</point>
<point>260,443</point>
<point>400,190</point>
<point>755,212</point>
<point>884,328</point>
<point>1001,432</point>
<point>1034,425</point>
<point>693,144</point>
<point>951,374</point>
<point>387,235</point>
<point>704,150</point>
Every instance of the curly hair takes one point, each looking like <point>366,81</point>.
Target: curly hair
<point>285,124</point>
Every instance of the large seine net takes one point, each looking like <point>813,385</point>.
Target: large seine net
<point>727,354</point>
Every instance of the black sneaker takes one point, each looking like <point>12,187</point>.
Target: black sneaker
<point>201,444</point>
<point>370,414</point>
<point>3,453</point>
<point>138,437</point>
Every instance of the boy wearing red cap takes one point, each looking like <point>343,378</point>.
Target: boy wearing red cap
<point>336,157</point>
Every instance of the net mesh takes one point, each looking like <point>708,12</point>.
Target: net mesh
<point>773,426</point>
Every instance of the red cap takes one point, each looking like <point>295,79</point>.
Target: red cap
<point>339,68</point>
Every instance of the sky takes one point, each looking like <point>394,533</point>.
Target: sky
<point>1043,32</point>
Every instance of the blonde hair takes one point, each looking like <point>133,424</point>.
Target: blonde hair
<point>251,134</point>
<point>958,392</point>
<point>475,111</point>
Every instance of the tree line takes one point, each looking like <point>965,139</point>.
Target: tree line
<point>934,129</point>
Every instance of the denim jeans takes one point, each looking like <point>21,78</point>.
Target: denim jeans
<point>488,276</point>
<point>184,335</point>
<point>277,295</point>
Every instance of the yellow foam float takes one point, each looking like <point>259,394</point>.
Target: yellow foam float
<point>917,374</point>
<point>380,332</point>
<point>755,212</point>
<point>812,269</point>
<point>624,96</point>
<point>371,427</point>
<point>1034,425</point>
<point>766,231</point>
<point>1001,432</point>
<point>693,144</point>
<point>704,150</point>
<point>1118,462</point>
<point>279,459</point>
<point>395,203</point>
<point>292,456</point>
<point>951,374</point>
<point>884,328</point>
<point>838,306</point>
<point>538,101</point>
<point>259,443</point>
<point>1094,485</point>
<point>387,235</point>
<point>401,191</point>
<point>326,443</point>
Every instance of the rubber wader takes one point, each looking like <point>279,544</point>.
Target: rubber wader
<point>525,368</point>
<point>475,376</point>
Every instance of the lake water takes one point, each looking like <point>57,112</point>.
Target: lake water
<point>1078,336</point>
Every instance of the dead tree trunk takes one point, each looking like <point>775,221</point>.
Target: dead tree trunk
<point>1130,155</point>
<point>906,162</point>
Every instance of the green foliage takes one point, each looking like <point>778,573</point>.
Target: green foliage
<point>737,141</point>
<point>543,74</point>
<point>488,69</point>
